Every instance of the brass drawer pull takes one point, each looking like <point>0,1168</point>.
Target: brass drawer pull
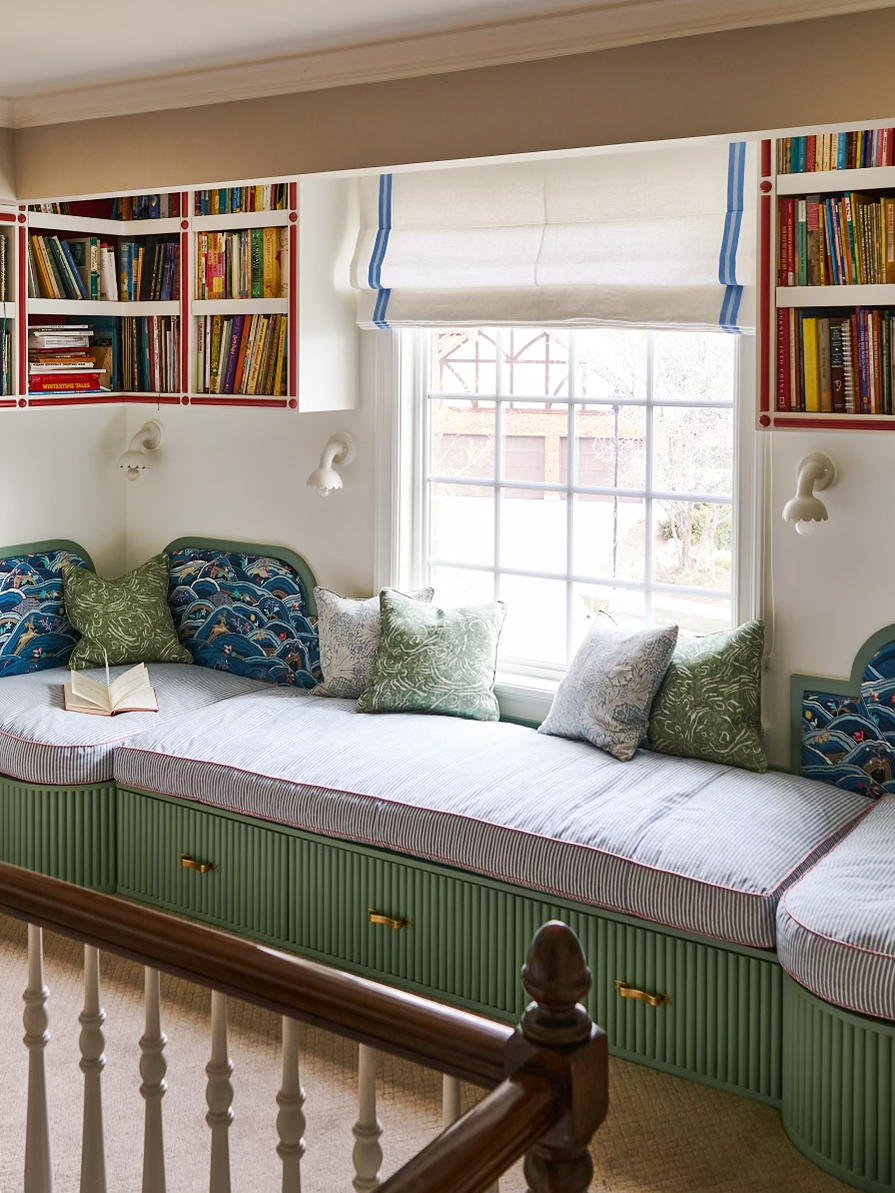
<point>376,917</point>
<point>626,990</point>
<point>190,863</point>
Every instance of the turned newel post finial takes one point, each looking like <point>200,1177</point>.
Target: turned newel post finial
<point>557,1033</point>
<point>556,977</point>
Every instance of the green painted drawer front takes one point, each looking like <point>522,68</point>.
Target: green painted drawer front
<point>467,939</point>
<point>839,1089</point>
<point>723,1023</point>
<point>68,833</point>
<point>245,891</point>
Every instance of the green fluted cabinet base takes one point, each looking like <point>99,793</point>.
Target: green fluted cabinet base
<point>466,938</point>
<point>66,832</point>
<point>839,1089</point>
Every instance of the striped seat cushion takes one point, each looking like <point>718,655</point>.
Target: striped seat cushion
<point>42,743</point>
<point>836,925</point>
<point>693,845</point>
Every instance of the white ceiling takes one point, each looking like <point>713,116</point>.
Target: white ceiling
<point>79,59</point>
<point>62,44</point>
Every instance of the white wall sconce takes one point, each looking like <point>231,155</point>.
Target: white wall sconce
<point>816,471</point>
<point>136,460</point>
<point>339,450</point>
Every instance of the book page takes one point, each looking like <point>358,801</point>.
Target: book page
<point>89,690</point>
<point>133,681</point>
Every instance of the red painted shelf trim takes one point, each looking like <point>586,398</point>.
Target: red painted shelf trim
<point>861,422</point>
<point>224,400</point>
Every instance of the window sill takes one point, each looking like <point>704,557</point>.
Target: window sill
<point>524,699</point>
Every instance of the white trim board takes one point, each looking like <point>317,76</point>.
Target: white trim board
<point>575,31</point>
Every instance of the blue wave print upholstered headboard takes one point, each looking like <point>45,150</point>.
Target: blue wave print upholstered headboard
<point>34,631</point>
<point>844,730</point>
<point>246,608</point>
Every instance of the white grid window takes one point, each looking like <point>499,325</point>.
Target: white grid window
<point>573,471</point>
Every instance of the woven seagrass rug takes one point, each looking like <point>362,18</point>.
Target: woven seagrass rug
<point>663,1134</point>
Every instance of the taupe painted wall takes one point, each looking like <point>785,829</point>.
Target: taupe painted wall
<point>817,72</point>
<point>7,163</point>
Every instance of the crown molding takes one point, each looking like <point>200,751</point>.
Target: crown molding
<point>496,43</point>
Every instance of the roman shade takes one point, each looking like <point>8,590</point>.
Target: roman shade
<point>645,237</point>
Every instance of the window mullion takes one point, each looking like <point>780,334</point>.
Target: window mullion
<point>649,512</point>
<point>571,478</point>
<point>498,452</point>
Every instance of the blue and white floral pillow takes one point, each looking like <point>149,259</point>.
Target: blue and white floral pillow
<point>349,640</point>
<point>243,613</point>
<point>35,633</point>
<point>610,686</point>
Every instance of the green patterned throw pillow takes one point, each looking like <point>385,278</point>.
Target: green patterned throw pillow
<point>709,705</point>
<point>128,618</point>
<point>435,660</point>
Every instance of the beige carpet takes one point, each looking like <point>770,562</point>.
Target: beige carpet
<point>663,1135</point>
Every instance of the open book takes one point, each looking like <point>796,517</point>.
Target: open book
<point>131,692</point>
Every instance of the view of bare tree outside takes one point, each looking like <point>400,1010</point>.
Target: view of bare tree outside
<point>576,471</point>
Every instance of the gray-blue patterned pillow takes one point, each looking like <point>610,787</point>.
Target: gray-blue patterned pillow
<point>349,638</point>
<point>609,688</point>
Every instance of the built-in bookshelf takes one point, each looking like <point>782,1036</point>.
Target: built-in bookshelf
<point>189,297</point>
<point>827,281</point>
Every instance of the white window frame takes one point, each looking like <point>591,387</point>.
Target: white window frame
<point>401,380</point>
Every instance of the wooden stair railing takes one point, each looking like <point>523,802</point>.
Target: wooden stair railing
<point>548,1078</point>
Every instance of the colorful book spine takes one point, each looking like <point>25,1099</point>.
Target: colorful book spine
<point>860,149</point>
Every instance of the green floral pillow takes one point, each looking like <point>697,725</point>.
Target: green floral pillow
<point>128,618</point>
<point>709,704</point>
<point>435,660</point>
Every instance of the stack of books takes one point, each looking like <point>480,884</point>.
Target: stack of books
<point>837,240</point>
<point>229,200</point>
<point>246,264</point>
<point>836,151</point>
<point>245,354</point>
<point>830,361</point>
<point>60,361</point>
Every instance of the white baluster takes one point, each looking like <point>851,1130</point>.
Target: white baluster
<point>291,1119</point>
<point>219,1096</point>
<point>92,1041</point>
<point>38,1161</point>
<point>153,1067</point>
<point>451,1109</point>
<point>367,1153</point>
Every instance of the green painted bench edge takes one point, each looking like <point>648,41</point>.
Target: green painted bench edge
<point>856,1056</point>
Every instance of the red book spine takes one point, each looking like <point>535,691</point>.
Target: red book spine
<point>810,152</point>
<point>64,382</point>
<point>784,389</point>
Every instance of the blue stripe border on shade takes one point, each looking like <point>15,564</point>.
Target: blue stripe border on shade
<point>380,247</point>
<point>733,222</point>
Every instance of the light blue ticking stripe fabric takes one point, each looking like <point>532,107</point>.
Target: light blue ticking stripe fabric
<point>733,220</point>
<point>42,743</point>
<point>836,925</point>
<point>380,247</point>
<point>689,844</point>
